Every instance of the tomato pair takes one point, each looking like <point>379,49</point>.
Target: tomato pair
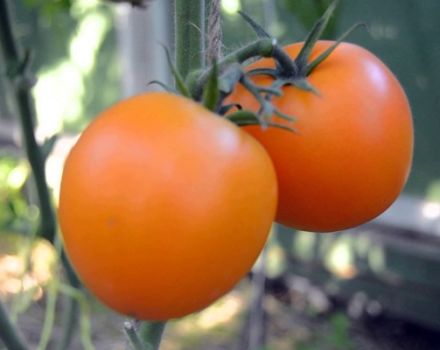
<point>165,206</point>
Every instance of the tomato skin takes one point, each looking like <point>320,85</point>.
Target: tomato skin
<point>164,206</point>
<point>352,152</point>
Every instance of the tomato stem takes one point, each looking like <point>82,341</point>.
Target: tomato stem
<point>189,35</point>
<point>132,335</point>
<point>260,48</point>
<point>144,335</point>
<point>152,331</point>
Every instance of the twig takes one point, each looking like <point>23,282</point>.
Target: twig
<point>9,333</point>
<point>22,81</point>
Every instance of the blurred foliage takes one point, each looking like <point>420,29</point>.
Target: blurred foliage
<point>50,8</point>
<point>140,3</point>
<point>16,215</point>
<point>308,12</point>
<point>50,28</point>
<point>334,336</point>
<point>288,21</point>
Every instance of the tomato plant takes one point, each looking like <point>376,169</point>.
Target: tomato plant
<point>164,206</point>
<point>351,153</point>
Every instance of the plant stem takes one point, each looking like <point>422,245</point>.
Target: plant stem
<point>70,316</point>
<point>259,48</point>
<point>8,333</point>
<point>22,82</point>
<point>69,324</point>
<point>189,35</point>
<point>146,336</point>
<point>153,332</point>
<point>49,320</point>
<point>36,161</point>
<point>133,336</point>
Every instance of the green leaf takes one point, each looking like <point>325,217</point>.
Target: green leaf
<point>314,35</point>
<point>48,145</point>
<point>305,85</point>
<point>245,118</point>
<point>284,116</point>
<point>226,108</point>
<point>211,91</point>
<point>258,29</point>
<point>230,77</point>
<point>180,83</point>
<point>162,85</point>
<point>318,60</point>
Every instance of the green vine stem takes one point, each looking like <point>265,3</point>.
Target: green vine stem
<point>49,320</point>
<point>69,323</point>
<point>9,334</point>
<point>145,335</point>
<point>133,336</point>
<point>18,69</point>
<point>152,331</point>
<point>189,35</point>
<point>70,315</point>
<point>260,48</point>
<point>22,82</point>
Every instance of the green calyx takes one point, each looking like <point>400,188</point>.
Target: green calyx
<point>212,85</point>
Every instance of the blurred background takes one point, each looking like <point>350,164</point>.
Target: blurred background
<point>374,287</point>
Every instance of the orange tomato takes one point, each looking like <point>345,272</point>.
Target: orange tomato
<point>352,152</point>
<point>164,206</point>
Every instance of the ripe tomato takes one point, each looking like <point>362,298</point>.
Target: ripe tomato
<point>164,206</point>
<point>352,152</point>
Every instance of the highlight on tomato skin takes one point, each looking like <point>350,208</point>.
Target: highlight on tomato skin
<point>164,206</point>
<point>351,154</point>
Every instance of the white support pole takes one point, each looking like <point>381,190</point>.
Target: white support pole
<point>140,34</point>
